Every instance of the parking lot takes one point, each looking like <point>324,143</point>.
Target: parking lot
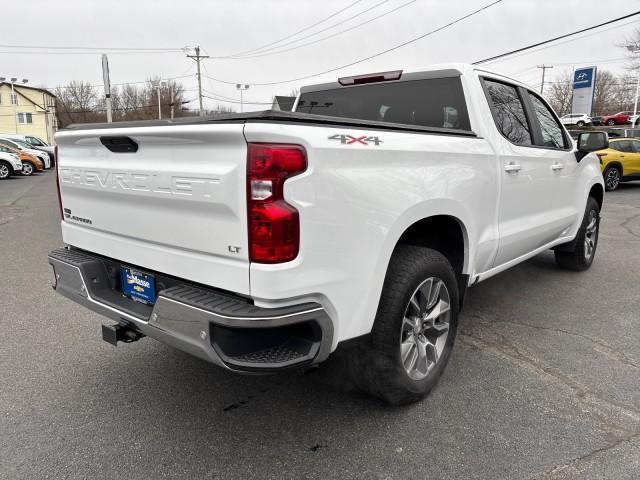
<point>543,383</point>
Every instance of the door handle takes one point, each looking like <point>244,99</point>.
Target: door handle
<point>557,166</point>
<point>512,167</point>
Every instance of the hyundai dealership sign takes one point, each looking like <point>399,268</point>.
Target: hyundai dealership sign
<point>584,82</point>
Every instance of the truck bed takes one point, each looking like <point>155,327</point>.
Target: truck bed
<point>269,116</point>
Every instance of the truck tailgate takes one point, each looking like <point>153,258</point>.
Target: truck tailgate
<point>176,205</point>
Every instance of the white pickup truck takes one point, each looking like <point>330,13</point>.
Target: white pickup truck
<point>264,241</point>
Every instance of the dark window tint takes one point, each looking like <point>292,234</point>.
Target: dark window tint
<point>508,112</point>
<point>436,102</point>
<point>552,135</point>
<point>635,146</point>
<point>621,145</point>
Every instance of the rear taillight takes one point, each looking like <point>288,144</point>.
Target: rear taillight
<point>274,225</point>
<point>55,155</point>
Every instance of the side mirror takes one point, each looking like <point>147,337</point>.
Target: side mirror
<point>591,142</point>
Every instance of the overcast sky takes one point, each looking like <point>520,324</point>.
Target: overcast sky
<point>227,27</point>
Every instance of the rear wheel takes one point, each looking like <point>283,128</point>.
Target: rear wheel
<point>611,122</point>
<point>27,169</point>
<point>5,170</point>
<point>611,178</point>
<point>586,241</point>
<point>580,123</point>
<point>414,329</point>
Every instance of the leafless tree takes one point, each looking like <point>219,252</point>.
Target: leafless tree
<point>84,103</point>
<point>560,93</point>
<point>76,102</point>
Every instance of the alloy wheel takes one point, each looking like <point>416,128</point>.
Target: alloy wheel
<point>4,171</point>
<point>27,169</point>
<point>425,328</point>
<point>591,235</point>
<point>613,178</point>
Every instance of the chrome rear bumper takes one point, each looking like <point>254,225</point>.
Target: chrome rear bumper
<point>224,329</point>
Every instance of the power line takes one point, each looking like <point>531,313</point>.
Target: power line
<point>415,39</point>
<point>295,33</point>
<point>82,47</point>
<point>136,52</point>
<point>529,47</point>
<point>295,47</point>
<point>211,97</point>
<point>99,85</point>
<point>269,51</point>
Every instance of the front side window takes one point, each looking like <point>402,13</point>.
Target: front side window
<point>550,129</point>
<point>621,146</point>
<point>434,102</point>
<point>508,112</point>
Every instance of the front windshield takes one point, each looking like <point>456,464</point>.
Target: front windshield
<point>36,142</point>
<point>22,144</point>
<point>10,143</point>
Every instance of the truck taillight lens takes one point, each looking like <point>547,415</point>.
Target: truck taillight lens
<point>274,225</point>
<point>55,155</point>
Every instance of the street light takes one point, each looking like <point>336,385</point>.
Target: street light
<point>635,49</point>
<point>14,99</point>
<point>242,88</point>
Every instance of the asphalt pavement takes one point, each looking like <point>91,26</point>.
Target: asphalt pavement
<point>544,382</point>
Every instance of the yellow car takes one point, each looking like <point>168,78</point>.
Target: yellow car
<point>620,162</point>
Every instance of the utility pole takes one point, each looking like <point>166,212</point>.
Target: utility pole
<point>159,85</point>
<point>544,69</point>
<point>107,86</point>
<point>197,57</point>
<point>172,96</point>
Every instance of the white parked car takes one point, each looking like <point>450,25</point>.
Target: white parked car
<point>579,119</point>
<point>33,142</point>
<point>265,241</point>
<point>20,145</point>
<point>10,164</point>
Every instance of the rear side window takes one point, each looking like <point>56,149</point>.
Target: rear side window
<point>508,112</point>
<point>550,129</point>
<point>435,102</point>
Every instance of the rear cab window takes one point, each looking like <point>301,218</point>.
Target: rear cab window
<point>508,112</point>
<point>433,102</point>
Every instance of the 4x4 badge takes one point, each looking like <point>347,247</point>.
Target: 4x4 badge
<point>350,139</point>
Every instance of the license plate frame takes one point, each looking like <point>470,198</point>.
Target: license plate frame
<point>138,286</point>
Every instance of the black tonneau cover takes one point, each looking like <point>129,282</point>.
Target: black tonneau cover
<point>275,116</point>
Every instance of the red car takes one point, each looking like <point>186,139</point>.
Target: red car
<point>620,118</point>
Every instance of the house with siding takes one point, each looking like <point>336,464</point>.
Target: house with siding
<point>29,111</point>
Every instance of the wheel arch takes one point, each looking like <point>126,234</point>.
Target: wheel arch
<point>617,164</point>
<point>597,192</point>
<point>446,233</point>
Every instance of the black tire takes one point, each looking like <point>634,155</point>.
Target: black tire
<point>612,177</point>
<point>577,258</point>
<point>28,169</point>
<point>376,366</point>
<point>580,123</point>
<point>5,170</point>
<point>611,122</point>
